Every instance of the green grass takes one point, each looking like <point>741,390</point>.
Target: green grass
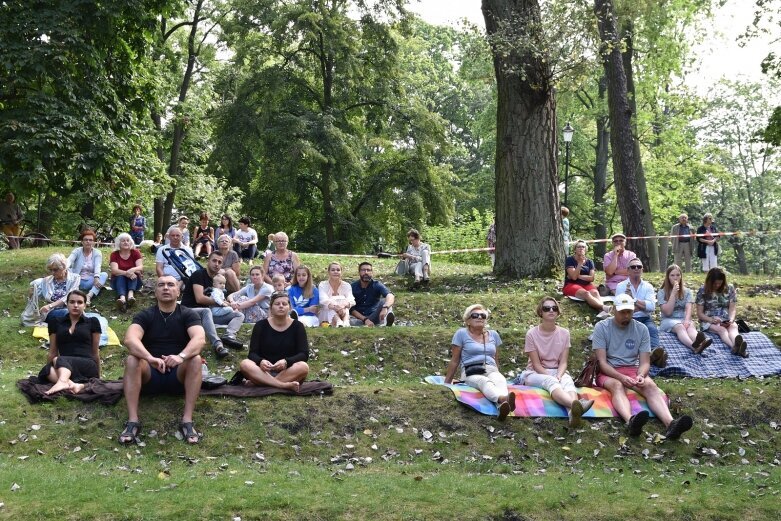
<point>361,453</point>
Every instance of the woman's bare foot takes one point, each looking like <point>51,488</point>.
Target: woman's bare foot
<point>59,386</point>
<point>76,388</point>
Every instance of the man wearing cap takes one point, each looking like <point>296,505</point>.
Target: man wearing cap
<point>683,245</point>
<point>616,262</point>
<point>644,296</point>
<point>622,347</point>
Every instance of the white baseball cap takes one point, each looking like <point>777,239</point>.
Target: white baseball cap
<point>623,302</point>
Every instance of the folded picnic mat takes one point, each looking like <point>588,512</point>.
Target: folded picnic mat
<point>107,335</point>
<point>717,361</point>
<point>533,401</point>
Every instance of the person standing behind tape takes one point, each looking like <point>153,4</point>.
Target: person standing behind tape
<point>708,247</point>
<point>683,244</point>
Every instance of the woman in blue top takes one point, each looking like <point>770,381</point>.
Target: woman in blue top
<point>304,297</point>
<point>475,349</point>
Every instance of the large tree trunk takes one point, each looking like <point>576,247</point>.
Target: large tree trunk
<point>621,136</point>
<point>529,242</point>
<point>602,152</point>
<point>652,245</point>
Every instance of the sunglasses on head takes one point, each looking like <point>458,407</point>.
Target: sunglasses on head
<point>478,315</point>
<point>636,267</point>
<point>550,308</point>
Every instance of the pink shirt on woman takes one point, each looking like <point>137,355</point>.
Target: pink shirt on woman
<point>549,345</point>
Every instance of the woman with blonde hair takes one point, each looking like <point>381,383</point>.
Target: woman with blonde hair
<point>547,345</point>
<point>675,301</point>
<point>281,260</point>
<point>475,350</point>
<point>336,298</point>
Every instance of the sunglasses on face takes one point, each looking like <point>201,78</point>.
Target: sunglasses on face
<point>635,267</point>
<point>550,308</point>
<point>478,315</point>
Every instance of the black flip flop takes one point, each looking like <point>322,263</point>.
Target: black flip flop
<point>131,432</point>
<point>188,432</point>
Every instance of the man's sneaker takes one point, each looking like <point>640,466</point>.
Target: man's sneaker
<point>603,315</point>
<point>390,318</point>
<point>678,427</point>
<point>504,410</point>
<point>221,351</point>
<point>231,342</point>
<point>294,314</point>
<point>636,423</point>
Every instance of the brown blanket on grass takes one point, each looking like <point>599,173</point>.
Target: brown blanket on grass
<point>109,392</point>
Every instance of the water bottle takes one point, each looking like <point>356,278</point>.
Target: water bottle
<point>204,369</point>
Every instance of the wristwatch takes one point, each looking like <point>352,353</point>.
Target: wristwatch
<point>182,356</point>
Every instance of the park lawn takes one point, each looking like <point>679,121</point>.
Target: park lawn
<point>386,445</point>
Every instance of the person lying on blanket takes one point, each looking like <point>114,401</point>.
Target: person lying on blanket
<point>73,347</point>
<point>548,347</point>
<point>278,348</point>
<point>622,346</point>
<point>164,343</point>
<point>475,350</point>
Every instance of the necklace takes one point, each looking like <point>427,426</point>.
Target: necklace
<point>165,318</point>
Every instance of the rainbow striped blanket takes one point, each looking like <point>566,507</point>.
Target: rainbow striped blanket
<point>533,401</point>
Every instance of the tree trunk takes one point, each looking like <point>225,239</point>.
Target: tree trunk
<point>621,136</point>
<point>529,241</point>
<point>652,245</point>
<point>602,152</point>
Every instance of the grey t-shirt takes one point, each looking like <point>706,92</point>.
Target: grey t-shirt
<point>623,346</point>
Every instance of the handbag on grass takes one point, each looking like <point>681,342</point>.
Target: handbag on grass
<point>589,373</point>
<point>402,267</point>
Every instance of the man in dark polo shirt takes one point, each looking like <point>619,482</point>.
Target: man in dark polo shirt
<point>373,301</point>
<point>164,344</point>
<point>195,296</point>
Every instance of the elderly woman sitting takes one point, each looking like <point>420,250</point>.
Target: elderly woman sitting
<point>127,266</point>
<point>47,295</point>
<point>475,350</point>
<point>85,261</point>
<point>418,257</point>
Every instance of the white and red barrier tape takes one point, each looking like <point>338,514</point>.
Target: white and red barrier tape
<point>750,233</point>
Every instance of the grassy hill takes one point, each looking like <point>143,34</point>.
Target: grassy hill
<point>386,445</point>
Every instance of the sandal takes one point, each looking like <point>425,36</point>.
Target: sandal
<point>130,434</point>
<point>189,433</point>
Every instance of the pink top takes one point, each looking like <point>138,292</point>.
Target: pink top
<point>611,281</point>
<point>549,345</point>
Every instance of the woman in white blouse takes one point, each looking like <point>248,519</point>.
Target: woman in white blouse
<point>418,257</point>
<point>336,298</point>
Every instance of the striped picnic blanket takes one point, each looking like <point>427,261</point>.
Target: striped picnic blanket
<point>533,401</point>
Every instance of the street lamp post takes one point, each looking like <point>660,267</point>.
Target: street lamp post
<point>568,131</point>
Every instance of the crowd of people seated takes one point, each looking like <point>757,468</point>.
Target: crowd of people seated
<point>281,298</point>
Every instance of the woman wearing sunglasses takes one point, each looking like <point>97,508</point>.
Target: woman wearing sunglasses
<point>475,350</point>
<point>547,345</point>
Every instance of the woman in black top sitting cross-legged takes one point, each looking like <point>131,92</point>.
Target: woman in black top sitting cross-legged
<point>278,348</point>
<point>73,347</point>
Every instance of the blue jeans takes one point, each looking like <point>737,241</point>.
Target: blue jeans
<point>122,285</point>
<point>652,331</point>
<point>89,284</point>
